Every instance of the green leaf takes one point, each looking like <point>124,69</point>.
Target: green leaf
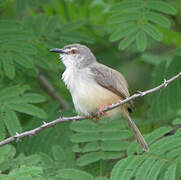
<point>175,87</point>
<point>26,98</point>
<point>141,174</point>
<point>11,25</point>
<point>59,137</point>
<point>114,145</point>
<point>25,172</point>
<point>20,47</point>
<point>105,140</point>
<point>141,41</point>
<point>165,145</point>
<point>42,62</point>
<point>101,178</point>
<point>116,135</point>
<point>6,36</point>
<point>176,121</point>
<point>22,60</point>
<point>29,109</point>
<point>51,25</point>
<point>79,37</point>
<point>119,167</point>
<point>58,154</point>
<point>124,17</point>
<point>127,5</point>
<point>152,31</point>
<point>12,91</point>
<point>157,133</point>
<point>27,22</point>
<point>113,125</point>
<point>152,59</point>
<point>84,126</point>
<point>2,127</point>
<point>89,158</point>
<point>130,169</point>
<point>39,24</point>
<point>174,153</point>
<point>155,170</point>
<point>124,31</point>
<point>127,41</point>
<point>85,137</point>
<point>177,51</point>
<point>155,98</point>
<point>33,98</point>
<point>178,133</point>
<point>2,3</point>
<point>171,172</point>
<point>112,155</point>
<point>163,103</point>
<point>161,6</point>
<point>12,122</point>
<point>74,174</point>
<point>4,152</point>
<point>46,160</point>
<point>30,160</point>
<point>76,148</point>
<point>161,161</point>
<point>89,147</point>
<point>158,19</point>
<point>20,6</point>
<point>8,67</point>
<point>69,27</point>
<point>33,4</point>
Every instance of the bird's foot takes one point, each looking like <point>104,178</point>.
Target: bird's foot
<point>101,113</point>
<point>90,117</point>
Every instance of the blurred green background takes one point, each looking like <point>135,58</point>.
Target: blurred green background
<point>139,38</point>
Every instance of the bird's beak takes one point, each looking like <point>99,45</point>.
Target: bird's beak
<point>57,50</point>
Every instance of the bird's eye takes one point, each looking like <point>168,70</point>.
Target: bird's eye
<point>73,51</point>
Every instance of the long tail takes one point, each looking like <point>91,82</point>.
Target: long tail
<point>137,133</point>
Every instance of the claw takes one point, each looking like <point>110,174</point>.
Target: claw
<point>90,117</point>
<point>101,113</point>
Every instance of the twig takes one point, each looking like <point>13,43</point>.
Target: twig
<point>45,125</point>
<point>51,90</point>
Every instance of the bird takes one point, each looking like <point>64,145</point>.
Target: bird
<point>94,86</point>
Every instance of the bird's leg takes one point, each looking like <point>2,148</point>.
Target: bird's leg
<point>101,113</point>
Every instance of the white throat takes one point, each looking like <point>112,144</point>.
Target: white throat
<point>73,61</point>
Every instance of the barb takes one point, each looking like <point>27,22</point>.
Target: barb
<point>45,125</point>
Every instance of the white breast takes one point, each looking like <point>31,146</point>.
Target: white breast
<point>87,95</point>
<point>80,86</point>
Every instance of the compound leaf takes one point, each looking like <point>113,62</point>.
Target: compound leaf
<point>161,6</point>
<point>152,31</point>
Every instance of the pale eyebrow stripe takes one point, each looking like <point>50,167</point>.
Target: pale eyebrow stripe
<point>70,49</point>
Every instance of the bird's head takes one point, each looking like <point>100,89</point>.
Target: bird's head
<point>75,55</point>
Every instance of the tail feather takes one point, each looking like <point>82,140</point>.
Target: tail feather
<point>137,133</point>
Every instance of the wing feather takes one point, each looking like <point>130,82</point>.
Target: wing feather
<point>110,79</point>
